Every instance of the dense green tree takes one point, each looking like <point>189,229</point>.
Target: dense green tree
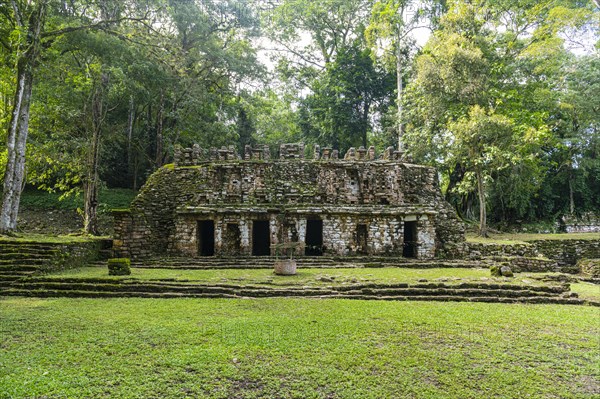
<point>144,86</point>
<point>500,99</point>
<point>572,183</point>
<point>27,29</point>
<point>392,22</point>
<point>339,111</point>
<point>508,60</point>
<point>342,91</point>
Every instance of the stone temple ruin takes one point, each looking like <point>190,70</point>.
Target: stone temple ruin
<point>216,203</point>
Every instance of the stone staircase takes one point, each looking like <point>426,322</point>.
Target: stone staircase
<point>21,265</point>
<point>321,262</point>
<point>23,259</point>
<point>470,292</point>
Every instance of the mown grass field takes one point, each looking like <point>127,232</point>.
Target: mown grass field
<point>305,276</point>
<point>295,348</point>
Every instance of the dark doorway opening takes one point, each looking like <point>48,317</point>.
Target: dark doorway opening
<point>261,240</point>
<point>361,239</point>
<point>409,249</point>
<point>206,237</point>
<point>314,238</point>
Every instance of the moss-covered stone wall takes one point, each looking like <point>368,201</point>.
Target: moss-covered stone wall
<point>539,255</point>
<point>381,194</point>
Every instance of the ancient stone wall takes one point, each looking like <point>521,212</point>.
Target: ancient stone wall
<point>586,223</point>
<point>567,252</point>
<point>539,255</point>
<point>362,204</point>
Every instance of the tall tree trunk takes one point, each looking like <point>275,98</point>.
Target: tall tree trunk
<point>365,123</point>
<point>90,219</point>
<point>159,131</point>
<point>21,149</point>
<point>19,124</point>
<point>399,82</point>
<point>6,221</point>
<point>130,122</point>
<point>571,196</point>
<point>399,95</point>
<point>482,211</point>
<point>135,172</point>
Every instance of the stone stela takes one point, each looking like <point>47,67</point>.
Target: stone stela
<point>217,203</point>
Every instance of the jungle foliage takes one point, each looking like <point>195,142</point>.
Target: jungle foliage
<point>503,98</point>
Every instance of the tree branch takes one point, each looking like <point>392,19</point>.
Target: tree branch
<point>96,26</point>
<point>18,15</point>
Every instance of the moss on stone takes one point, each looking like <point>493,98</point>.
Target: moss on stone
<point>120,210</point>
<point>495,270</point>
<point>119,267</point>
<point>590,267</point>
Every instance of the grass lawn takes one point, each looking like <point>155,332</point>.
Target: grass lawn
<point>520,238</point>
<point>305,277</point>
<point>108,199</point>
<point>35,238</point>
<point>587,291</point>
<point>295,348</point>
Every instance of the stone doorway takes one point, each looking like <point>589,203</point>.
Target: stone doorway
<point>206,237</point>
<point>409,249</point>
<point>261,240</point>
<point>362,239</point>
<point>314,238</point>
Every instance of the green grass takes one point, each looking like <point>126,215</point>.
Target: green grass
<point>291,348</point>
<point>46,238</point>
<point>304,277</point>
<point>587,290</point>
<point>108,199</point>
<point>523,238</point>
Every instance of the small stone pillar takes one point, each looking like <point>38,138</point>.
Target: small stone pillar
<point>388,154</point>
<point>425,237</point>
<point>362,153</point>
<point>266,153</point>
<point>257,153</point>
<point>301,228</point>
<point>274,230</point>
<point>350,154</point>
<point>177,155</point>
<point>245,237</point>
<point>371,153</point>
<point>196,154</point>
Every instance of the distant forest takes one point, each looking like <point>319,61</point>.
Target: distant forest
<point>501,96</point>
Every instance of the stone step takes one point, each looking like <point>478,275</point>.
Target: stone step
<point>31,244</point>
<point>68,281</point>
<point>9,269</point>
<point>241,265</point>
<point>14,277</point>
<point>7,280</point>
<point>33,261</point>
<point>444,298</point>
<point>306,262</point>
<point>25,256</point>
<point>319,259</point>
<point>402,289</point>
